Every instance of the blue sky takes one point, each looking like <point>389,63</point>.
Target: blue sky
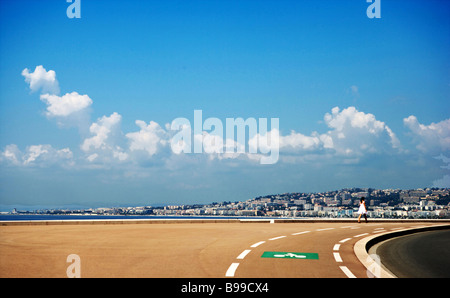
<point>361,102</point>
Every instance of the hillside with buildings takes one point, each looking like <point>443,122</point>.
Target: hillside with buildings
<point>381,203</point>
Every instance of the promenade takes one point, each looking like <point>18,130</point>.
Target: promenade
<point>194,249</point>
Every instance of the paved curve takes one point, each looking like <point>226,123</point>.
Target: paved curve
<point>188,250</point>
<point>425,255</point>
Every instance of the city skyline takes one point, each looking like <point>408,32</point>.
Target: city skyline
<point>86,104</point>
<point>386,203</point>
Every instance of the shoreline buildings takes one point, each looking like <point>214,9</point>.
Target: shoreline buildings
<point>344,203</point>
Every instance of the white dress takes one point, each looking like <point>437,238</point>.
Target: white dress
<point>362,209</point>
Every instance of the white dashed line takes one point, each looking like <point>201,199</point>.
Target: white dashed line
<point>258,244</point>
<point>232,270</point>
<point>360,235</point>
<point>299,233</point>
<point>347,272</point>
<point>336,247</point>
<point>379,231</point>
<point>275,238</point>
<point>345,240</point>
<point>337,257</point>
<point>243,254</point>
<point>326,229</point>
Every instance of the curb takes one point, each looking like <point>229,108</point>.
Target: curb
<point>363,246</point>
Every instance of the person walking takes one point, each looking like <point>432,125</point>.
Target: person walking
<point>362,210</point>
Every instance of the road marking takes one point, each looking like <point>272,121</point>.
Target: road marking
<point>345,240</point>
<point>336,247</point>
<point>346,227</point>
<point>326,229</point>
<point>243,254</point>
<point>275,238</point>
<point>290,255</point>
<point>232,270</point>
<point>354,228</point>
<point>299,233</point>
<point>347,272</point>
<point>379,229</point>
<point>360,235</point>
<point>258,244</point>
<point>393,229</point>
<point>337,257</point>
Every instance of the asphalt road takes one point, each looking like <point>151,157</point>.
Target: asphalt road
<point>420,255</point>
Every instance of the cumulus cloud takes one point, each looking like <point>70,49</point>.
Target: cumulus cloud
<point>38,155</point>
<point>103,146</point>
<point>12,154</point>
<point>351,133</point>
<point>68,110</point>
<point>354,131</point>
<point>433,138</point>
<point>101,131</point>
<point>65,105</point>
<point>150,138</point>
<point>295,142</point>
<point>42,79</point>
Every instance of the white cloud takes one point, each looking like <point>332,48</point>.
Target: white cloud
<point>298,141</point>
<point>352,134</point>
<point>101,131</point>
<point>38,155</point>
<point>41,79</point>
<point>341,120</point>
<point>357,132</point>
<point>12,154</point>
<point>34,152</point>
<point>65,105</point>
<point>121,156</point>
<point>433,138</point>
<point>149,138</point>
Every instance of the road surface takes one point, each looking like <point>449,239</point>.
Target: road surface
<point>190,250</point>
<point>420,255</point>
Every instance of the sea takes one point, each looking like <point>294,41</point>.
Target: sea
<point>46,217</point>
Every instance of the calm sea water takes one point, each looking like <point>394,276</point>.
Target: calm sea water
<point>16,217</point>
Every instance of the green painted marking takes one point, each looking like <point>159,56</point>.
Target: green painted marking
<point>290,255</point>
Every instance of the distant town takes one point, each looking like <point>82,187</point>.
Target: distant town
<point>432,203</point>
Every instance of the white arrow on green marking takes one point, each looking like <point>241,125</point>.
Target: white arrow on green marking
<point>290,255</point>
